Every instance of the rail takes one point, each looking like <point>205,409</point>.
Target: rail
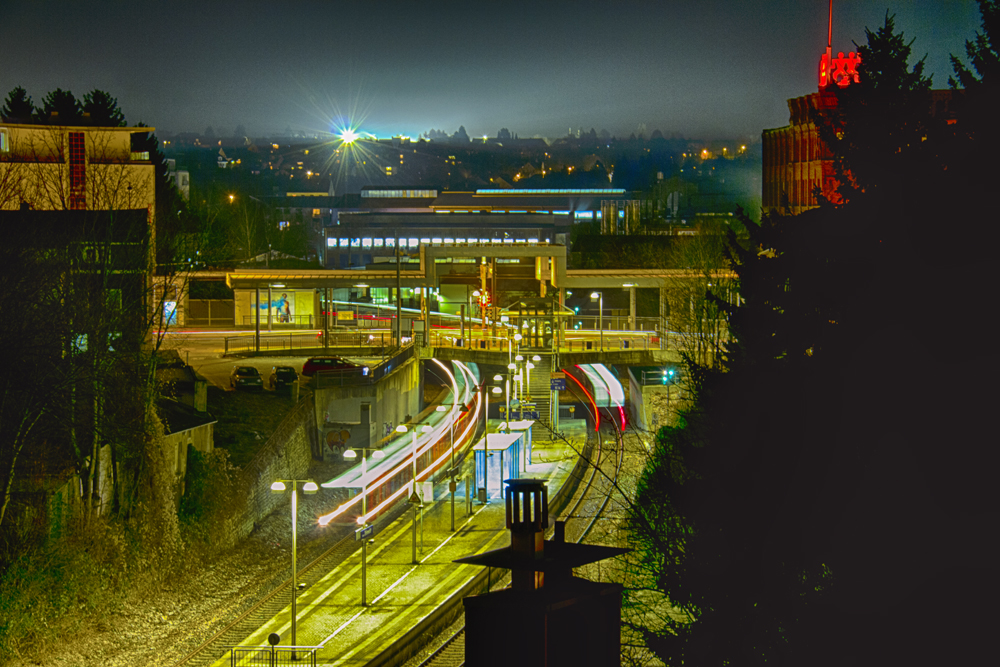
<point>362,376</point>
<point>374,341</point>
<point>574,341</point>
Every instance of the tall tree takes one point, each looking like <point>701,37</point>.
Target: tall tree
<point>18,106</point>
<point>64,104</point>
<point>103,109</point>
<point>794,513</point>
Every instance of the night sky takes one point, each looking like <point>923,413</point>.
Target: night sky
<point>703,68</point>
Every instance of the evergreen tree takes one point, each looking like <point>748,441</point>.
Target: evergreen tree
<point>103,109</point>
<point>62,103</point>
<point>18,107</point>
<point>793,513</point>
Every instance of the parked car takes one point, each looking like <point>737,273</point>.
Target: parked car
<point>281,377</point>
<point>327,364</point>
<point>246,377</point>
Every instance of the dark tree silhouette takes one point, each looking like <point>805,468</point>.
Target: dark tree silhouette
<point>18,107</point>
<point>815,500</point>
<point>64,104</point>
<point>103,109</point>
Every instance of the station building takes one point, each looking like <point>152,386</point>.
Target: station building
<point>390,218</point>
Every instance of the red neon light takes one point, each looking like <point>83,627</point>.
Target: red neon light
<point>597,413</point>
<point>844,69</point>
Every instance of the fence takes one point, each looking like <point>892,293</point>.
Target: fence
<point>618,340</point>
<point>376,341</point>
<point>272,656</point>
<point>297,321</point>
<point>360,377</point>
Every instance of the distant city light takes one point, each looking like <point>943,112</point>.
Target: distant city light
<point>348,136</point>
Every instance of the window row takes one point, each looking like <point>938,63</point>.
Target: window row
<point>357,242</point>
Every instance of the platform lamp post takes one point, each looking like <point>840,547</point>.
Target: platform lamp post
<point>309,487</point>
<point>452,484</point>
<point>519,392</point>
<point>599,296</point>
<point>363,519</point>
<point>506,389</point>
<point>424,429</point>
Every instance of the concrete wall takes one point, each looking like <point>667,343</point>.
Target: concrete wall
<point>392,398</point>
<point>286,455</point>
<point>176,445</point>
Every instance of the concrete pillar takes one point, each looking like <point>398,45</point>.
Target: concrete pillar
<point>561,320</point>
<point>256,337</point>
<point>631,308</point>
<point>663,318</point>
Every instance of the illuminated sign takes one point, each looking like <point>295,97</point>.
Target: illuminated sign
<point>840,70</point>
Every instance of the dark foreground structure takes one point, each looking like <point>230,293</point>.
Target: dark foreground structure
<point>547,616</point>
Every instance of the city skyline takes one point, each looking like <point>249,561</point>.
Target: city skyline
<point>709,69</point>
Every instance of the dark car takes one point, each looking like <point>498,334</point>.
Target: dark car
<point>245,377</point>
<point>328,364</point>
<point>281,377</point>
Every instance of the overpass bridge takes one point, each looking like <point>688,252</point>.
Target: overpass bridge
<point>516,269</point>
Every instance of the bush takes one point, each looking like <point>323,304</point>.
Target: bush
<point>209,494</point>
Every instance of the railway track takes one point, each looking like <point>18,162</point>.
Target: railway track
<point>589,503</point>
<point>272,603</point>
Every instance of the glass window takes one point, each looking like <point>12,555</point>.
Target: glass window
<point>342,243</point>
<point>425,240</point>
<point>437,240</point>
<point>390,243</point>
<point>366,243</point>
<point>377,242</point>
<point>356,242</point>
<point>413,243</point>
<point>4,142</point>
<point>331,243</point>
<point>447,240</point>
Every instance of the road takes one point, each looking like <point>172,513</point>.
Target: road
<point>203,351</point>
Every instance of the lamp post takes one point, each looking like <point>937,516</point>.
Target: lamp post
<point>506,389</point>
<point>425,429</point>
<point>309,487</point>
<point>451,484</point>
<point>363,519</point>
<point>530,365</point>
<point>599,296</point>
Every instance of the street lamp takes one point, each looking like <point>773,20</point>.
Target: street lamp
<point>451,485</point>
<point>309,487</point>
<point>506,389</point>
<point>363,519</point>
<point>424,429</point>
<point>595,296</point>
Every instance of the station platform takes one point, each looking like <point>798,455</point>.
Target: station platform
<point>403,597</point>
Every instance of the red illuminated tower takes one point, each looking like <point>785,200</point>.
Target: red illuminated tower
<point>796,160</point>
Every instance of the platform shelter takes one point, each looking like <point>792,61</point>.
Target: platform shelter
<point>496,458</point>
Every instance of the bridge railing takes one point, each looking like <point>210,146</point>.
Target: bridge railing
<point>364,375</point>
<point>377,341</point>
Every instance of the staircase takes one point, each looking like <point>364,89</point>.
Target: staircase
<point>539,385</point>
